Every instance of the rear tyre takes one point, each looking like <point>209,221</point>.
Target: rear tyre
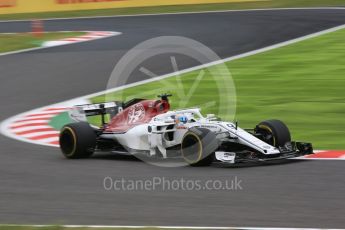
<point>274,132</point>
<point>198,146</point>
<point>77,140</point>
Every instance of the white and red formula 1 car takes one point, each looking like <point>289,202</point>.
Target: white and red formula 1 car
<point>149,127</point>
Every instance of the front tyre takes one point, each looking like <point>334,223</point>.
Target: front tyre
<point>77,140</point>
<point>274,132</point>
<point>198,146</point>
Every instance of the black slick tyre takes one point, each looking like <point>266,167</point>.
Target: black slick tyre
<point>198,146</point>
<point>77,140</point>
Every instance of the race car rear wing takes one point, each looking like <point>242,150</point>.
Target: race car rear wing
<point>79,113</point>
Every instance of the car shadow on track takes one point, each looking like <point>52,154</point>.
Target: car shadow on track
<point>118,157</point>
<point>131,158</point>
<point>263,164</point>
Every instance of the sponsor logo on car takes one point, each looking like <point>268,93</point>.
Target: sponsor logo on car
<point>136,113</point>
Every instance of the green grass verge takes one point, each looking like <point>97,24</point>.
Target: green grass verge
<point>60,120</point>
<point>177,8</point>
<point>20,41</point>
<point>301,84</point>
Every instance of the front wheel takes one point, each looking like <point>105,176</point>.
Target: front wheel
<point>77,140</point>
<point>274,132</point>
<point>198,146</point>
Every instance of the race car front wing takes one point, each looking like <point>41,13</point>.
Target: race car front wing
<point>291,150</point>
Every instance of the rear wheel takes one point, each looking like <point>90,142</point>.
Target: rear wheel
<point>77,140</point>
<point>198,146</point>
<point>274,132</point>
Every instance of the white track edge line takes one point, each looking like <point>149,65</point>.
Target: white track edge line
<point>172,227</point>
<point>4,124</point>
<point>247,54</point>
<point>179,13</point>
<point>48,47</point>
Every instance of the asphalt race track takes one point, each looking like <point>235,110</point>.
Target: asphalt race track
<point>39,186</point>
